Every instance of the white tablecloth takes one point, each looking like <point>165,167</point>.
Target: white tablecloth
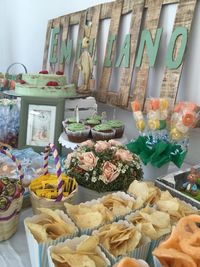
<point>14,252</point>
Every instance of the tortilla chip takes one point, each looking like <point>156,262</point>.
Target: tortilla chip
<point>38,231</point>
<point>89,244</point>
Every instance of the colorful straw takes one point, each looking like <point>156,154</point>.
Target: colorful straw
<point>58,167</point>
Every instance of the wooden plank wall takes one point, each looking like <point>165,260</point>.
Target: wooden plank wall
<point>114,11</point>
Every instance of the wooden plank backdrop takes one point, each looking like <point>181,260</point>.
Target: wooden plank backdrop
<point>143,12</point>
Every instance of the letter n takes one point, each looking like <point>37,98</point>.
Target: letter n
<point>152,47</point>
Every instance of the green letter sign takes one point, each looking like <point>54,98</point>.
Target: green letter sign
<point>124,55</point>
<point>152,48</point>
<point>172,63</point>
<point>66,51</point>
<point>107,61</point>
<point>54,42</point>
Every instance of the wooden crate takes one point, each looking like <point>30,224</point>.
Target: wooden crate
<point>87,107</point>
<point>144,14</point>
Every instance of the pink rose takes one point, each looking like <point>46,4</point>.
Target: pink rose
<point>87,143</point>
<point>114,143</point>
<point>87,161</point>
<point>124,155</point>
<point>101,146</point>
<point>110,172</point>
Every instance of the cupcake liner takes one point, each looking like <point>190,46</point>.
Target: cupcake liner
<point>72,243</point>
<point>37,251</point>
<point>103,135</point>
<point>79,136</point>
<point>138,253</point>
<point>119,132</point>
<point>154,244</point>
<point>156,262</point>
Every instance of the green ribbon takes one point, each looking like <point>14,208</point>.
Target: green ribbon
<point>157,154</point>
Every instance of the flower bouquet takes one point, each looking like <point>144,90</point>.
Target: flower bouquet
<point>103,166</point>
<point>164,133</point>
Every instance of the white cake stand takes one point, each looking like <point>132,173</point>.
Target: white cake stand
<point>64,141</point>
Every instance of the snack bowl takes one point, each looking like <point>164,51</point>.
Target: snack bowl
<point>89,210</point>
<point>96,208</point>
<point>73,244</point>
<point>37,250</point>
<point>140,252</point>
<point>123,211</point>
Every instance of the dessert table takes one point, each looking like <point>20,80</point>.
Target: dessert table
<point>14,252</point>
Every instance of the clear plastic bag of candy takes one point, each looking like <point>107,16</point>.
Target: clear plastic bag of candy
<point>9,121</point>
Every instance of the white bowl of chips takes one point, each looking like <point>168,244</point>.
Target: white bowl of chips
<point>144,193</point>
<point>45,229</point>
<point>76,252</point>
<point>88,215</point>
<point>120,239</point>
<point>118,204</point>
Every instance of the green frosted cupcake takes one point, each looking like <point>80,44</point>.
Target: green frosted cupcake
<point>118,126</point>
<point>77,132</point>
<point>102,132</point>
<point>69,121</point>
<point>95,117</point>
<point>92,122</point>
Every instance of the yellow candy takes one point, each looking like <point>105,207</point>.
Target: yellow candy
<point>153,124</point>
<point>175,134</point>
<point>140,125</point>
<point>164,104</point>
<point>47,193</point>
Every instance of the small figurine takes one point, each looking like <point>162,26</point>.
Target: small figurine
<point>191,185</point>
<point>85,64</point>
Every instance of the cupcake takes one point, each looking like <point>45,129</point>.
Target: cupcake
<point>118,126</point>
<point>102,132</point>
<point>69,121</point>
<point>77,132</point>
<point>92,122</point>
<point>95,117</point>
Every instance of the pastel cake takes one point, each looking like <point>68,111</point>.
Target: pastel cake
<point>43,85</point>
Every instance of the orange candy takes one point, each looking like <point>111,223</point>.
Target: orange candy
<point>188,118</point>
<point>179,106</point>
<point>155,104</point>
<point>135,106</point>
<point>127,262</point>
<point>191,106</point>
